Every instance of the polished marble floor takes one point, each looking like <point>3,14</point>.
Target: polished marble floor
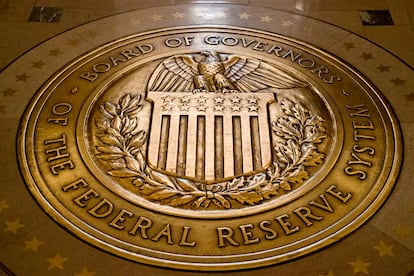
<point>39,36</point>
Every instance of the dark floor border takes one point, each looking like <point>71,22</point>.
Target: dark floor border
<point>287,11</point>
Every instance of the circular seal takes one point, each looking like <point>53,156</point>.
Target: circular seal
<point>209,148</point>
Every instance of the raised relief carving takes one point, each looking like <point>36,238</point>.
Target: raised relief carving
<point>207,150</point>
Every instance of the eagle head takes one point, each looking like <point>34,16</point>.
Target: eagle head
<point>211,56</point>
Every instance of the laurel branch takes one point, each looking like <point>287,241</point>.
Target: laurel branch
<point>121,147</point>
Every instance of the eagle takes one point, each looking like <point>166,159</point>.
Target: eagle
<point>214,73</point>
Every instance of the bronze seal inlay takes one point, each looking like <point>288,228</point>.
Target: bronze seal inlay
<point>209,148</point>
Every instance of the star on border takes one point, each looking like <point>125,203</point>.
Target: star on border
<point>22,77</point>
<point>360,266</point>
<point>33,244</point>
<point>156,17</point>
<point>38,64</point>
<point>366,56</point>
<point>244,16</point>
<point>8,92</point>
<point>382,68</point>
<point>178,15</point>
<point>287,23</point>
<point>398,82</point>
<point>56,262</point>
<point>349,45</point>
<point>266,19</point>
<point>13,226</point>
<point>55,52</point>
<point>384,249</point>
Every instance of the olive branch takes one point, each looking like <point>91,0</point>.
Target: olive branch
<point>121,147</point>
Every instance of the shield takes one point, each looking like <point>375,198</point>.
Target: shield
<point>208,136</point>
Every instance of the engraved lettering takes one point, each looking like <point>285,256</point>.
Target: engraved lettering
<point>275,49</point>
<point>259,46</point>
<point>128,54</point>
<point>212,40</point>
<point>225,233</point>
<point>306,62</point>
<point>120,218</point>
<point>369,125</point>
<point>61,166</point>
<point>265,226</point>
<point>358,136</point>
<point>184,237</point>
<point>85,197</point>
<point>102,209</point>
<point>359,149</point>
<point>188,40</point>
<point>246,43</point>
<point>164,232</point>
<point>230,41</point>
<point>351,172</point>
<point>89,76</point>
<point>101,67</point>
<point>305,214</point>
<point>142,224</point>
<point>173,42</point>
<point>360,109</point>
<point>358,161</point>
<point>60,110</point>
<point>324,206</point>
<point>58,153</point>
<point>292,55</point>
<point>248,235</point>
<point>145,48</point>
<point>344,198</point>
<point>115,60</point>
<point>286,225</point>
<point>332,79</point>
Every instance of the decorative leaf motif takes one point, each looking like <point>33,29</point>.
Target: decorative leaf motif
<point>109,140</point>
<point>182,200</point>
<point>186,185</point>
<point>123,173</point>
<point>162,194</point>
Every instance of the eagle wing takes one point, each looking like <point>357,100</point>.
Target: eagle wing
<point>174,74</point>
<point>250,75</point>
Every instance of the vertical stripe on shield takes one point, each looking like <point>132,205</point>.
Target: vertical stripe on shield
<point>218,145</point>
<point>237,146</point>
<point>201,143</point>
<point>255,137</point>
<point>182,145</point>
<point>163,146</point>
